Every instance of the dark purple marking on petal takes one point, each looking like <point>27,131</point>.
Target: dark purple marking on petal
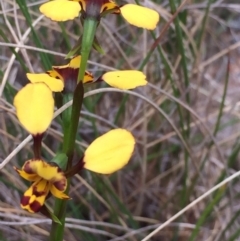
<point>25,200</point>
<point>67,73</point>
<point>61,184</point>
<point>69,76</point>
<point>38,193</point>
<point>35,206</point>
<point>27,168</point>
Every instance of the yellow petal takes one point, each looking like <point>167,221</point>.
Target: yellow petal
<point>27,176</point>
<point>54,74</point>
<point>140,16</point>
<point>110,5</point>
<point>52,81</point>
<point>34,106</point>
<point>34,198</point>
<point>125,79</point>
<point>88,77</point>
<point>48,172</point>
<point>60,10</point>
<point>75,62</point>
<point>70,71</point>
<point>109,152</point>
<point>55,192</point>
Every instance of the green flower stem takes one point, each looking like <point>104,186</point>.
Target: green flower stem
<point>70,131</point>
<point>89,29</point>
<point>57,229</point>
<point>66,119</point>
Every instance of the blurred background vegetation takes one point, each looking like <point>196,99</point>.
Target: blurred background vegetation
<point>186,123</point>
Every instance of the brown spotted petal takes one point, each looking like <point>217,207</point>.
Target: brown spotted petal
<point>45,170</point>
<point>57,193</point>
<point>102,4</point>
<point>27,176</point>
<point>69,72</point>
<point>46,177</point>
<point>109,5</point>
<point>29,166</point>
<point>34,198</point>
<point>69,75</point>
<point>59,186</point>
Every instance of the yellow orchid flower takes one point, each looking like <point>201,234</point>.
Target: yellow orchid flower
<point>63,76</point>
<point>122,79</point>
<point>63,10</point>
<point>105,155</point>
<point>67,74</point>
<point>34,105</point>
<point>46,179</point>
<point>109,152</point>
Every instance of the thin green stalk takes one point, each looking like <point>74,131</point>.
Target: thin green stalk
<point>71,130</point>
<point>19,59</point>
<point>206,213</point>
<point>43,56</point>
<point>222,102</point>
<point>89,29</point>
<point>235,236</point>
<point>179,36</point>
<point>204,23</point>
<point>186,81</point>
<point>230,223</point>
<point>205,158</point>
<point>183,62</point>
<point>65,35</point>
